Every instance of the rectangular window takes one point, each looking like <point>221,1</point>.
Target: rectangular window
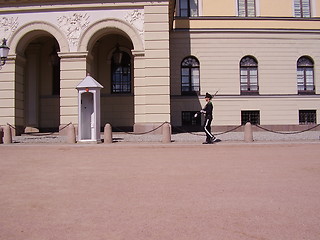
<point>188,119</point>
<point>307,117</point>
<point>246,8</point>
<point>302,8</point>
<point>252,116</point>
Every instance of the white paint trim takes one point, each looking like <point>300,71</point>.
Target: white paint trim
<point>313,8</point>
<point>200,7</point>
<point>258,12</point>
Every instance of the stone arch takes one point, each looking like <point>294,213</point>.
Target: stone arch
<point>98,29</point>
<point>18,46</point>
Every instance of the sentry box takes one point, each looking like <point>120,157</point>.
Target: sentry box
<point>89,110</point>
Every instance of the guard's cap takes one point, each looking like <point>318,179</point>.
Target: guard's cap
<point>208,95</point>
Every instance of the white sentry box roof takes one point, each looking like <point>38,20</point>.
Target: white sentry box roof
<point>89,82</point>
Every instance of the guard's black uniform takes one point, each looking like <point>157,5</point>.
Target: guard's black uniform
<point>207,110</point>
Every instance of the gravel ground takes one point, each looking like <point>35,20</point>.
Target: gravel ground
<point>233,191</point>
<point>197,137</point>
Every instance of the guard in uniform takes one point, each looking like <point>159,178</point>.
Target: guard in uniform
<point>207,111</point>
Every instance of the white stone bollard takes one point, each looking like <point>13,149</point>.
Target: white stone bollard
<point>248,135</point>
<point>107,133</point>
<point>7,135</point>
<point>166,133</point>
<point>1,135</point>
<point>71,134</point>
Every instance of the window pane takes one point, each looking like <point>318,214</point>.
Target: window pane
<point>241,8</point>
<point>309,74</point>
<point>253,72</point>
<point>185,80</point>
<point>244,72</point>
<point>307,117</point>
<point>189,119</point>
<point>196,88</point>
<point>193,8</point>
<point>195,80</point>
<point>244,79</point>
<point>253,87</point>
<point>244,87</point>
<point>253,80</point>
<point>185,88</point>
<point>184,8</point>
<point>185,71</point>
<point>251,8</point>
<point>250,116</point>
<point>306,8</point>
<point>195,72</point>
<point>297,9</point>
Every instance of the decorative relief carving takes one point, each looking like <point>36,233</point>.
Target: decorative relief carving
<point>73,25</point>
<point>136,19</point>
<point>7,26</point>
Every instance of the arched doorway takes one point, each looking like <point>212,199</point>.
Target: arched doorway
<point>41,82</point>
<point>112,67</point>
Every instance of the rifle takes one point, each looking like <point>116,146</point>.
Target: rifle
<point>215,94</point>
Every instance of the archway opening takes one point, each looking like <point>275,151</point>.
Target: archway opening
<point>41,83</point>
<point>112,67</point>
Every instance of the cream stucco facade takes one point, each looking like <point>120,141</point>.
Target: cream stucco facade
<point>218,38</point>
<point>66,40</point>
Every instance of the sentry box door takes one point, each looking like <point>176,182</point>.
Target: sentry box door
<point>87,117</point>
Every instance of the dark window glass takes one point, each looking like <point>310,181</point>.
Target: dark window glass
<point>188,119</point>
<point>250,116</point>
<point>190,76</point>
<point>56,76</point>
<point>307,117</point>
<point>188,8</point>
<point>305,78</point>
<point>249,76</point>
<point>121,74</point>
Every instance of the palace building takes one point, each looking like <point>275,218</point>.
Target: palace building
<point>157,59</point>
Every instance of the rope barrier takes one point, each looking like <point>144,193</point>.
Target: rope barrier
<point>11,126</point>
<point>42,134</point>
<point>181,130</point>
<point>132,133</point>
<point>216,134</point>
<point>296,132</point>
<point>60,129</point>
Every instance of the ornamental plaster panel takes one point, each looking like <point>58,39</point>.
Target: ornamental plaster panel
<point>72,26</point>
<point>136,19</point>
<point>7,26</point>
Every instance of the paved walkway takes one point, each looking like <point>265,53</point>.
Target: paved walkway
<point>160,191</point>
